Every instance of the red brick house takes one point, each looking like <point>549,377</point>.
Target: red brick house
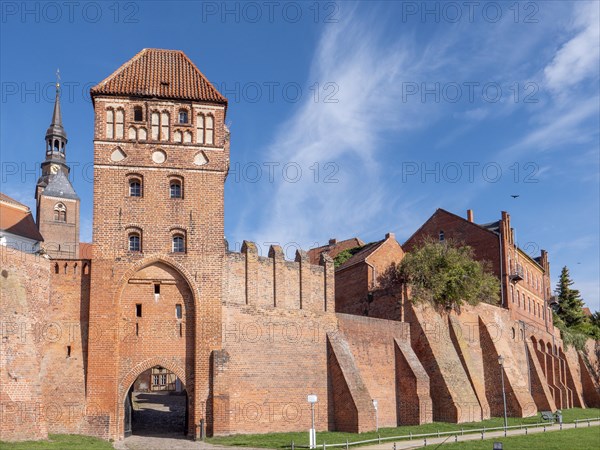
<point>525,280</point>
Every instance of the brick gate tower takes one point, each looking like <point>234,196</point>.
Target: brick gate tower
<point>57,204</point>
<point>161,156</point>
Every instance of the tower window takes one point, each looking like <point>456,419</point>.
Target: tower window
<point>175,189</point>
<point>119,132</point>
<point>135,188</point>
<point>442,236</point>
<point>178,244</point>
<point>164,126</point>
<point>138,114</point>
<point>183,116</point>
<point>205,129</point>
<point>200,129</point>
<point>138,310</point>
<point>60,213</point>
<point>135,242</point>
<point>210,130</point>
<point>155,126</point>
<point>156,288</point>
<point>110,124</point>
<point>178,312</point>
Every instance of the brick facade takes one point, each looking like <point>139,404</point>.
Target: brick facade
<point>249,337</point>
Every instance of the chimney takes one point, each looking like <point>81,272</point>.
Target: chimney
<point>470,215</point>
<point>332,241</point>
<point>390,236</point>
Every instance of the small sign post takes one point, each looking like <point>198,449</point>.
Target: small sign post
<point>312,399</point>
<point>376,415</point>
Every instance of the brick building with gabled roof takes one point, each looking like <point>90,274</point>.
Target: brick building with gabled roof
<point>525,281</point>
<point>17,226</point>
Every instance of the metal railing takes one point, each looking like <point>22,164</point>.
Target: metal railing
<point>455,433</point>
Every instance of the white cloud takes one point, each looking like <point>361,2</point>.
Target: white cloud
<point>578,58</point>
<point>368,75</point>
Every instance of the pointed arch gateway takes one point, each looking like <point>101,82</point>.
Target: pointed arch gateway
<point>157,299</point>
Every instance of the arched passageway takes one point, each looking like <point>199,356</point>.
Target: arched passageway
<point>156,405</point>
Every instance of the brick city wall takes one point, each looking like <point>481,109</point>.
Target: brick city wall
<point>64,363</point>
<point>272,358</point>
<point>24,282</point>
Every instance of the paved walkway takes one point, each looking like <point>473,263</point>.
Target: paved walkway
<point>419,443</point>
<point>176,441</point>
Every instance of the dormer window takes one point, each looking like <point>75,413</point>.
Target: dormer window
<point>183,116</point>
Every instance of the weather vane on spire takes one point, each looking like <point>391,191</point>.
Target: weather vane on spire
<point>57,79</point>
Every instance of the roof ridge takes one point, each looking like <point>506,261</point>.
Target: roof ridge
<point>121,68</point>
<point>12,202</point>
<point>160,73</point>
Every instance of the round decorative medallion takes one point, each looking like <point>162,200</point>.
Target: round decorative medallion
<point>159,157</point>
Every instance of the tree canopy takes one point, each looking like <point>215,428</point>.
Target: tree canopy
<point>570,303</point>
<point>447,275</point>
<point>569,316</point>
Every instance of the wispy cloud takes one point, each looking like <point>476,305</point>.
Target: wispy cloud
<point>577,59</point>
<point>348,134</point>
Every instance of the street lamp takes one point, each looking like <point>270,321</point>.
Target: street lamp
<point>376,417</point>
<point>312,399</point>
<point>501,362</point>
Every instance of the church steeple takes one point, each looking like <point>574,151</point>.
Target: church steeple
<point>57,201</point>
<point>56,137</point>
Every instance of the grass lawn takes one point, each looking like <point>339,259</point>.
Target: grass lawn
<point>580,439</point>
<point>60,442</point>
<point>281,440</point>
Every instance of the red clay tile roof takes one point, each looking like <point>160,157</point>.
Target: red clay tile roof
<point>333,249</point>
<point>16,218</point>
<point>161,74</point>
<point>363,254</point>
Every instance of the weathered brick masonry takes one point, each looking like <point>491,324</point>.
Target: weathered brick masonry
<point>250,336</point>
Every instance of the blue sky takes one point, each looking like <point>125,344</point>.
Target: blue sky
<point>347,119</point>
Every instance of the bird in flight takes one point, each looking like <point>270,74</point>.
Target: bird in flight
<point>514,195</point>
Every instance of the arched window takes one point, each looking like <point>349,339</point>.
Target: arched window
<point>183,116</point>
<point>187,137</point>
<point>178,243</point>
<point>164,126</point>
<point>60,212</point>
<point>135,187</point>
<point>155,126</point>
<point>138,114</point>
<point>134,241</point>
<point>441,236</point>
<point>210,130</point>
<point>119,123</point>
<point>175,189</point>
<point>56,268</point>
<point>110,123</point>
<point>177,136</point>
<point>200,129</point>
<point>512,294</point>
<point>205,129</point>
<point>142,134</point>
<point>132,133</point>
